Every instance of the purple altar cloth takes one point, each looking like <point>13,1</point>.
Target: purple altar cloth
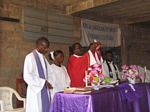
<point>140,101</point>
<point>105,100</point>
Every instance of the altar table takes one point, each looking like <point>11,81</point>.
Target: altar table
<point>122,98</point>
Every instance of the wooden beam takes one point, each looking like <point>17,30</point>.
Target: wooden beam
<point>121,9</point>
<point>129,10</point>
<point>96,17</point>
<point>83,5</point>
<point>136,19</point>
<point>124,43</point>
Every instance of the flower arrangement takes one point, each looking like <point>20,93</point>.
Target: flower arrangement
<point>94,76</point>
<point>131,73</point>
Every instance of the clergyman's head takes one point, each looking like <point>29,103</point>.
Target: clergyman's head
<point>109,56</point>
<point>42,45</point>
<point>93,46</point>
<point>76,48</point>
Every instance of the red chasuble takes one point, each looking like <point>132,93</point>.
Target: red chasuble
<point>76,69</point>
<point>77,65</point>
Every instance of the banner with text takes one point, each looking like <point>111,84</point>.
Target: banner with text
<point>107,34</point>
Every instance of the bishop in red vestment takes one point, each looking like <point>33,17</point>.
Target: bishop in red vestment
<point>77,65</point>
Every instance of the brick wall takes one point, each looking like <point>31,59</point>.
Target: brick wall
<point>135,45</point>
<point>13,45</point>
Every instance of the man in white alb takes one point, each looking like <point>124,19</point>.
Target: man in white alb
<point>37,78</point>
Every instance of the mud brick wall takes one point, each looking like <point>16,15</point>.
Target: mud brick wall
<point>135,45</point>
<point>13,45</point>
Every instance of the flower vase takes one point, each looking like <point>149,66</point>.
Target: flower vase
<point>95,86</point>
<point>132,81</point>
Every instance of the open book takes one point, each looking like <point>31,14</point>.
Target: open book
<point>78,90</point>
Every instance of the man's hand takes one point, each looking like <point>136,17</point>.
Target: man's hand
<point>99,45</point>
<point>48,85</point>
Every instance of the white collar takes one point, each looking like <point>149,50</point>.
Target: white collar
<point>39,52</point>
<point>110,62</point>
<point>76,55</point>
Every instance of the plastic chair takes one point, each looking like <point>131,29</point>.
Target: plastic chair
<point>6,103</point>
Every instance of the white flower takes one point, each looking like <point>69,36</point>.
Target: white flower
<point>89,68</point>
<point>130,71</point>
